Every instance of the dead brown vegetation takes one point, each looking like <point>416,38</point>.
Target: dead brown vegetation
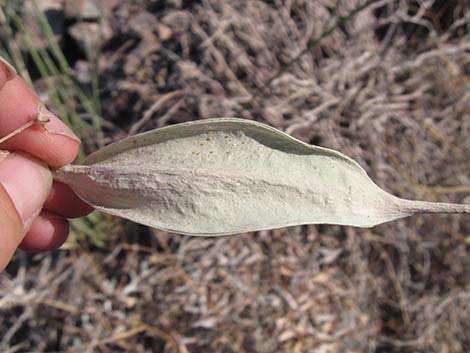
<point>389,87</point>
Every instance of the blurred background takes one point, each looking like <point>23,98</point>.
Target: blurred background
<point>385,82</point>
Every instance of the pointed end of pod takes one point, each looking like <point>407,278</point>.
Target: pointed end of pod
<point>421,207</point>
<point>63,174</point>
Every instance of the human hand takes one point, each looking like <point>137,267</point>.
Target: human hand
<point>33,208</point>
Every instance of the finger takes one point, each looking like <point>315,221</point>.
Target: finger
<point>3,77</point>
<point>11,221</point>
<point>55,144</point>
<point>25,183</point>
<point>63,201</point>
<point>7,72</point>
<point>47,232</point>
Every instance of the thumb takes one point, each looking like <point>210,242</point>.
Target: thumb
<point>25,183</point>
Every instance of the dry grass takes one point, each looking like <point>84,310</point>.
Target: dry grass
<point>389,88</point>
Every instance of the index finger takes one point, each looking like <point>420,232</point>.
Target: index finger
<point>56,144</point>
<point>7,72</point>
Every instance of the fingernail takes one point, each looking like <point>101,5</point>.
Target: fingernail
<point>28,182</point>
<point>67,133</point>
<point>9,70</point>
<point>57,127</point>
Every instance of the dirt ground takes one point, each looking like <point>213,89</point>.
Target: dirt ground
<point>388,87</point>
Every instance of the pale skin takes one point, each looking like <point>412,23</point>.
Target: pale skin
<point>33,208</point>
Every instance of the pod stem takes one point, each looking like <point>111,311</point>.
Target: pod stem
<point>41,118</point>
<point>418,207</point>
